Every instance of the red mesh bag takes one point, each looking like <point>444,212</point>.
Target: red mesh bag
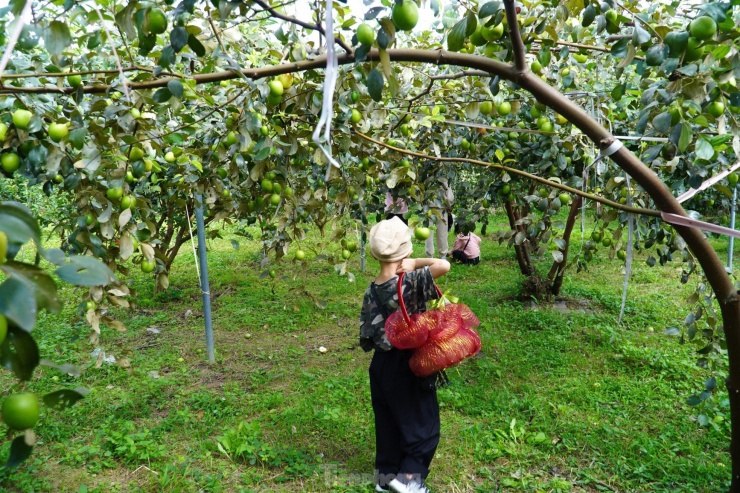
<point>440,338</point>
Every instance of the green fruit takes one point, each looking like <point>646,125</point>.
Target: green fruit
<point>129,177</point>
<point>621,255</point>
<point>273,273</point>
<point>703,28</point>
<point>506,189</point>
<point>580,57</point>
<point>465,144</point>
<point>231,139</point>
<point>733,178</point>
<point>492,33</point>
<point>3,131</point>
<point>564,198</point>
<point>355,96</point>
<point>288,192</point>
<point>546,126</point>
<point>694,50</point>
<point>405,15</point>
<point>504,108</point>
<point>10,161</point>
<point>536,67</point>
<point>266,185</point>
<point>136,153</point>
<point>147,266</point>
<point>716,108</point>
<point>486,107</point>
<point>90,305</point>
<point>606,241</point>
<point>114,193</point>
<point>74,80</point>
<point>135,113</point>
<point>421,233</point>
<point>352,246</point>
<point>21,411</point>
<point>274,199</point>
<point>477,37</point>
<point>286,80</point>
<point>276,87</point>
<point>222,173</point>
<point>356,116</point>
<point>226,193</point>
<point>128,202</point>
<point>365,35</point>
<point>170,157</point>
<point>346,254</point>
<point>21,118</point>
<point>300,255</point>
<point>89,219</point>
<point>157,21</point>
<point>264,130</point>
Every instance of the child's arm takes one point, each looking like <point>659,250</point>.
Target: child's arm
<point>437,266</point>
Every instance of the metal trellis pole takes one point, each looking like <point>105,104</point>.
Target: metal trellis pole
<point>204,285</point>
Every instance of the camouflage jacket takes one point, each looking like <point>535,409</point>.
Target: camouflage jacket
<point>418,288</point>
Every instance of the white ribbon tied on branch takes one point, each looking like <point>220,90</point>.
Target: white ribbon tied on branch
<point>330,82</point>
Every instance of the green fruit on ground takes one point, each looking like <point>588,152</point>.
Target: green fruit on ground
<point>21,118</point>
<point>137,153</point>
<point>276,87</point>
<point>74,80</point>
<point>286,80</point>
<point>128,202</point>
<point>356,116</point>
<point>486,107</point>
<point>21,411</point>
<point>405,15</point>
<point>504,108</point>
<point>147,266</point>
<point>564,198</point>
<point>3,247</point>
<point>157,21</point>
<point>274,199</point>
<point>266,185</point>
<point>733,178</point>
<point>3,328</point>
<point>114,193</point>
<point>365,35</point>
<point>703,28</point>
<point>716,108</point>
<point>354,96</point>
<point>421,233</point>
<point>300,255</point>
<point>10,161</point>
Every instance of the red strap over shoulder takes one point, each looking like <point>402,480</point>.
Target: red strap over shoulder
<point>401,303</point>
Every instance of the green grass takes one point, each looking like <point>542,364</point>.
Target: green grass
<point>559,399</point>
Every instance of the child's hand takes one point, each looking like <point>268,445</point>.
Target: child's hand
<point>407,265</point>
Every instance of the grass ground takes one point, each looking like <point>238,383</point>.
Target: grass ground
<point>561,398</point>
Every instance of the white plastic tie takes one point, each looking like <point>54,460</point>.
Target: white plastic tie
<point>330,82</point>
<point>677,220</point>
<point>628,251</point>
<point>708,183</point>
<point>192,243</point>
<point>19,23</point>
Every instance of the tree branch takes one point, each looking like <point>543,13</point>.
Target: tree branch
<point>517,44</point>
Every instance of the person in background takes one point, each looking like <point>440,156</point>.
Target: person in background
<point>407,422</point>
<point>466,248</point>
<point>443,223</point>
<point>395,208</point>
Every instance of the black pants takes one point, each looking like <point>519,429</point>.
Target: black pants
<point>406,418</point>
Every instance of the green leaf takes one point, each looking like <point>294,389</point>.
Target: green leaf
<point>162,95</point>
<point>618,92</point>
<point>57,37</point>
<point>178,38</point>
<point>37,283</point>
<point>656,54</point>
<point>85,271</point>
<point>167,57</point>
<point>262,154</point>
<point>19,452</point>
<point>704,149</point>
<point>676,42</point>
<point>457,35</point>
<point>175,88</point>
<point>685,138</point>
<point>662,122</point>
<point>375,84</point>
<point>17,302</point>
<point>62,399</point>
<point>77,138</point>
<point>489,9</point>
<point>589,14</point>
<point>125,19</point>
<point>17,221</point>
<point>640,35</point>
<point>196,45</point>
<point>544,55</point>
<point>472,23</point>
<point>619,49</point>
<point>19,353</point>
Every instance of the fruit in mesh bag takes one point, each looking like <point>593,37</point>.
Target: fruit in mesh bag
<point>438,355</point>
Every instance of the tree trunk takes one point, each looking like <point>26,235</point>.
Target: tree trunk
<point>521,251</point>
<point>555,277</point>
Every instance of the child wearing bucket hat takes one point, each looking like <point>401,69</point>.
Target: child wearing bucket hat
<point>406,413</point>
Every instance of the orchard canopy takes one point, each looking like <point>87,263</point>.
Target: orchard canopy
<point>124,114</point>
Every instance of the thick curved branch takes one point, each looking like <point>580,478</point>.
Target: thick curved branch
<point>516,37</point>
